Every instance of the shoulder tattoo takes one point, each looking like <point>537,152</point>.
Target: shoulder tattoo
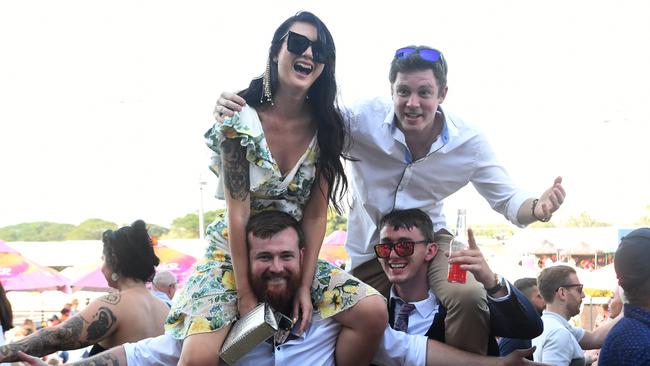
<point>101,324</point>
<point>112,299</point>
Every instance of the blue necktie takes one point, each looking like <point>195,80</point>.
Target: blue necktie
<point>402,321</point>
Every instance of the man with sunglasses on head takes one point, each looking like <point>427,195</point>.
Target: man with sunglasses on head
<point>412,154</point>
<point>405,249</point>
<point>561,343</point>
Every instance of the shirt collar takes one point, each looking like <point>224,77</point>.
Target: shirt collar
<point>448,130</point>
<point>424,307</point>
<point>556,316</point>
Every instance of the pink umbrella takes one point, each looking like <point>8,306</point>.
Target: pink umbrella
<point>175,261</point>
<point>333,249</point>
<point>18,273</point>
<point>92,281</point>
<point>171,260</point>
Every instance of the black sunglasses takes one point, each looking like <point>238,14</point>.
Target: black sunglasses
<point>578,285</point>
<point>298,44</point>
<point>428,54</point>
<point>403,248</point>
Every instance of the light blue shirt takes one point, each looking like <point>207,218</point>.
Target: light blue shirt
<point>558,344</point>
<point>162,296</point>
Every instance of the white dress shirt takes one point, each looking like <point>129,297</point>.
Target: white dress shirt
<point>387,178</point>
<point>410,347</point>
<point>315,347</point>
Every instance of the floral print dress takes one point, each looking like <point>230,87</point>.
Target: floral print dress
<point>208,301</point>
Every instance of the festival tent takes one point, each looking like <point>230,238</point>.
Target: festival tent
<point>171,260</point>
<point>603,278</point>
<point>594,244</point>
<point>333,249</point>
<point>18,273</point>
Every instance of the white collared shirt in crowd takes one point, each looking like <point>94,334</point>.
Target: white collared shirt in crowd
<point>559,342</point>
<point>387,178</point>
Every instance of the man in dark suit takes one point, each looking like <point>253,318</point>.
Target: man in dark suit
<point>528,286</point>
<point>407,246</point>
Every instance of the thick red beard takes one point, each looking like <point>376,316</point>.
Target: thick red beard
<point>281,299</point>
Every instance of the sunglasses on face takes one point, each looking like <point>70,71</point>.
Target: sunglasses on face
<point>578,285</point>
<point>428,54</point>
<point>298,44</point>
<point>403,248</point>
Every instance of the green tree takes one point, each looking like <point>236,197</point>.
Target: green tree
<point>645,219</point>
<point>585,220</point>
<point>494,231</point>
<point>35,231</point>
<point>187,227</point>
<point>540,224</point>
<point>156,230</point>
<point>335,222</point>
<point>91,229</point>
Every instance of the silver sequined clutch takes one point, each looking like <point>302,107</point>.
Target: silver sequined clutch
<point>248,331</point>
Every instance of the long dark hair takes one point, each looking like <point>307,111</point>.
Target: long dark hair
<point>332,130</point>
<point>6,314</point>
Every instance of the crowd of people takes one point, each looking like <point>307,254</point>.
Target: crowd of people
<point>279,148</point>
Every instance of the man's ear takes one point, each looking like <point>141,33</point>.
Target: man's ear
<point>442,94</point>
<point>302,255</point>
<point>432,250</point>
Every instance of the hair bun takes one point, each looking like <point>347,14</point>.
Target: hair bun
<point>138,232</point>
<point>139,225</point>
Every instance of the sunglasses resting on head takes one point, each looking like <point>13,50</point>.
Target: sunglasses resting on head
<point>298,44</point>
<point>428,54</point>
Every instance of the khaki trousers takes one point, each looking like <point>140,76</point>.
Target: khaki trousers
<point>467,325</point>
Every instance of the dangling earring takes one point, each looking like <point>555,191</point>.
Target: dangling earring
<point>115,277</point>
<point>266,84</point>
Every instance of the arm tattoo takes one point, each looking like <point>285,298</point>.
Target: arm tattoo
<point>102,359</point>
<point>112,299</point>
<point>48,340</point>
<point>103,321</point>
<point>235,167</point>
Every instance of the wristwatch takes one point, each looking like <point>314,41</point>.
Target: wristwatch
<point>501,284</point>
